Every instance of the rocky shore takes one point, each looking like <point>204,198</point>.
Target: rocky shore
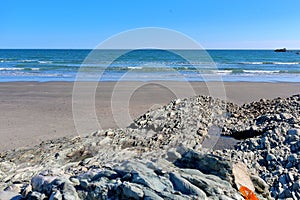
<point>172,152</point>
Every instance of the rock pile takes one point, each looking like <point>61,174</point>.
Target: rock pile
<point>167,154</point>
<point>274,152</point>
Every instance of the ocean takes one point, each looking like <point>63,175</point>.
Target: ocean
<point>148,65</point>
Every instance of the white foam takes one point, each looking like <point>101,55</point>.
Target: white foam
<point>252,63</point>
<point>286,63</point>
<point>27,60</point>
<point>222,72</point>
<point>135,67</point>
<point>10,69</point>
<point>44,62</point>
<point>261,71</point>
<point>18,69</point>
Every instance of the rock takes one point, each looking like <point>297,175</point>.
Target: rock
<point>153,158</point>
<point>131,190</point>
<point>173,155</point>
<point>270,157</point>
<point>145,176</point>
<point>185,187</point>
<point>206,163</point>
<point>56,196</point>
<point>241,176</point>
<point>75,181</point>
<point>177,196</point>
<point>68,191</point>
<point>26,190</point>
<point>260,185</point>
<point>42,184</point>
<point>285,194</point>
<point>295,146</point>
<point>7,166</point>
<point>36,196</point>
<point>177,101</point>
<point>84,183</point>
<point>150,195</point>
<point>294,132</point>
<point>106,173</point>
<point>212,185</point>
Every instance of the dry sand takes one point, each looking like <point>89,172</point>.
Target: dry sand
<point>32,112</point>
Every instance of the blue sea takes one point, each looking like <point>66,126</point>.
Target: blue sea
<point>148,65</point>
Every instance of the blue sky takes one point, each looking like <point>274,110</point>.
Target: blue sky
<point>213,23</point>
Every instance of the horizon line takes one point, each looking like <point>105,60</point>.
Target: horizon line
<point>147,49</point>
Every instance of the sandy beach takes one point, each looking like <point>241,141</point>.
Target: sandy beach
<point>33,111</point>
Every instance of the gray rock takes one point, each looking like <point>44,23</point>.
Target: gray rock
<point>69,192</point>
<point>84,183</point>
<point>26,190</point>
<point>206,163</point>
<point>294,132</point>
<point>185,187</point>
<point>177,196</point>
<point>145,176</point>
<point>36,196</point>
<point>180,125</point>
<point>6,166</point>
<point>285,194</point>
<point>173,155</point>
<point>131,191</point>
<point>42,184</point>
<point>270,157</point>
<point>150,195</point>
<point>56,196</point>
<point>295,146</point>
<point>260,185</point>
<point>212,185</point>
<point>106,173</point>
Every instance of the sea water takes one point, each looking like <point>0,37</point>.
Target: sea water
<point>148,65</point>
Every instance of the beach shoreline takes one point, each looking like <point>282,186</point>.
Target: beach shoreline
<point>36,111</point>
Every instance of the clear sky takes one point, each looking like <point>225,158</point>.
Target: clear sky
<point>213,23</point>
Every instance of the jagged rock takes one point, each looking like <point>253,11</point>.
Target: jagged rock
<point>212,185</point>
<point>56,196</point>
<point>42,184</point>
<point>131,190</point>
<point>165,148</point>
<point>206,163</point>
<point>185,187</point>
<point>173,155</point>
<point>150,195</point>
<point>260,185</point>
<point>141,174</point>
<point>106,173</point>
<point>69,191</point>
<point>36,196</point>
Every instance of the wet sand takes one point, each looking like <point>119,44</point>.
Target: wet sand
<point>32,111</point>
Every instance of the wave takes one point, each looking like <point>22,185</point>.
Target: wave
<point>45,62</point>
<point>18,69</point>
<point>222,72</point>
<point>262,71</point>
<point>27,61</point>
<point>133,68</point>
<point>269,63</point>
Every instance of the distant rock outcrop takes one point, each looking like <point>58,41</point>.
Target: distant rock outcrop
<point>280,50</point>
